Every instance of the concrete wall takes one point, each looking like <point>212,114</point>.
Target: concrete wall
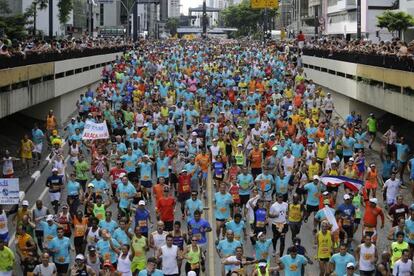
<point>37,99</point>
<point>362,96</point>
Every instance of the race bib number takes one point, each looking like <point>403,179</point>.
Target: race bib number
<point>61,259</point>
<point>223,209</point>
<point>49,238</point>
<point>142,223</point>
<point>293,267</point>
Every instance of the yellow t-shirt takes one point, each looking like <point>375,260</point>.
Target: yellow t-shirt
<point>313,169</point>
<point>324,245</point>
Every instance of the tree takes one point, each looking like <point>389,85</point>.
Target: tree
<point>65,7</point>
<point>12,25</point>
<point>246,19</point>
<point>395,21</point>
<point>172,25</point>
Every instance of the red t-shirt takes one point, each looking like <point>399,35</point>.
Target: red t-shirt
<point>115,173</point>
<point>184,184</point>
<point>166,208</point>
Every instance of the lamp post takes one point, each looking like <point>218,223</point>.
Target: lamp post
<point>50,19</point>
<point>204,19</point>
<point>358,19</point>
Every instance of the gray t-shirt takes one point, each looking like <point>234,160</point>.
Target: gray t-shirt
<point>40,269</point>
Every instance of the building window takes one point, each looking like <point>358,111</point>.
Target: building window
<point>101,14</point>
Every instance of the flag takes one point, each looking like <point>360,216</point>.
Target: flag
<point>352,184</point>
<point>331,218</point>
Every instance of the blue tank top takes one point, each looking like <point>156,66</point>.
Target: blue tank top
<point>141,220</point>
<point>260,217</point>
<point>178,241</point>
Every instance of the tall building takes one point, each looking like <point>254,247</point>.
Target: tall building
<point>408,7</point>
<point>174,8</point>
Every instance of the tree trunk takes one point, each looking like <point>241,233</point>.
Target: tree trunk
<point>34,18</point>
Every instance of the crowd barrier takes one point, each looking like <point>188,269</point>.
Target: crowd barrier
<point>35,58</point>
<point>391,62</point>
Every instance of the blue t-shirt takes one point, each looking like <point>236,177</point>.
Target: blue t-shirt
<point>192,206</point>
<point>312,194</point>
<point>244,182</point>
<point>146,171</point>
<point>402,152</point>
<point>198,229</point>
<point>162,167</point>
<point>130,162</point>
<point>156,272</point>
<point>293,266</point>
<point>37,136</point>
<point>73,188</point>
<point>262,249</point>
<point>228,248</point>
<point>110,226</point>
<point>348,144</point>
<point>222,210</point>
<point>282,184</point>
<point>62,256</point>
<point>341,262</point>
<point>105,250</point>
<point>237,229</point>
<point>125,192</point>
<point>121,237</point>
<point>100,185</point>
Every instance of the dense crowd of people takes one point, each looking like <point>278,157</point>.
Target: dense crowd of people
<point>13,48</point>
<point>232,122</point>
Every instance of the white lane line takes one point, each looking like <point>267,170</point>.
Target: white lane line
<point>211,243</point>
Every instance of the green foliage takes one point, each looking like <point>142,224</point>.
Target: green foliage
<point>172,25</point>
<point>4,7</point>
<point>395,21</point>
<point>14,26</point>
<point>246,19</point>
<point>65,7</point>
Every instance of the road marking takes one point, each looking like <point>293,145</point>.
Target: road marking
<point>211,249</point>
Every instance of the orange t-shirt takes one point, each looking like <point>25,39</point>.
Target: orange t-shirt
<point>158,190</point>
<point>203,161</point>
<point>256,159</point>
<point>80,226</point>
<point>371,214</point>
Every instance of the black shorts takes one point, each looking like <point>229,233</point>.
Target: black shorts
<point>332,188</point>
<point>346,159</point>
<point>244,199</point>
<point>310,209</point>
<point>146,183</point>
<point>62,268</point>
<point>366,273</point>
<point>325,260</point>
<point>300,191</point>
<point>372,133</point>
<point>168,226</point>
<point>328,111</point>
<point>220,220</point>
<point>182,197</point>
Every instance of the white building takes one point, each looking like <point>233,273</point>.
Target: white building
<point>173,8</point>
<point>341,18</point>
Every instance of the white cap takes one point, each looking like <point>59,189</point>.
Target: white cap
<point>134,132</point>
<point>194,133</point>
<point>321,140</point>
<point>122,174</point>
<point>373,200</point>
<point>290,107</point>
<point>346,197</point>
<point>25,203</point>
<point>334,162</point>
<point>80,257</point>
<point>191,273</point>
<point>316,177</point>
<point>325,193</point>
<point>351,159</point>
<point>262,264</point>
<point>145,156</point>
<point>49,217</point>
<point>372,165</point>
<point>350,265</point>
<point>272,135</point>
<point>141,203</point>
<point>55,170</point>
<point>274,148</point>
<point>90,185</point>
<point>182,171</point>
<point>240,145</point>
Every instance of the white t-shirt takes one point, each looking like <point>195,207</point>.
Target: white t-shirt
<point>169,259</point>
<point>45,271</point>
<point>288,164</point>
<point>403,269</point>
<point>279,209</point>
<point>393,187</point>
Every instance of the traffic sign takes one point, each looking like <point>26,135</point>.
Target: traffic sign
<point>264,4</point>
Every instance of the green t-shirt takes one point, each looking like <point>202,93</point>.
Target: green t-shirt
<point>6,259</point>
<point>82,169</point>
<point>372,124</point>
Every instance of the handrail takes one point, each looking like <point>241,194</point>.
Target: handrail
<point>36,58</point>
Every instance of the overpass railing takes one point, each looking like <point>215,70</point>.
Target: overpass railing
<point>35,58</point>
<point>391,62</point>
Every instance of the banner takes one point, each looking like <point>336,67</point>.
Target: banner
<point>331,219</point>
<point>264,4</point>
<point>94,131</point>
<point>9,191</point>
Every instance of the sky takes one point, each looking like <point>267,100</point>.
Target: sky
<point>189,4</point>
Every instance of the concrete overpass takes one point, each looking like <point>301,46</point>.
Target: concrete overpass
<point>362,87</point>
<point>34,89</point>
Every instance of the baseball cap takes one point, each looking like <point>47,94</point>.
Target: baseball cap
<point>80,257</point>
<point>240,145</point>
<point>91,248</point>
<point>260,234</point>
<point>351,159</point>
<point>346,197</point>
<point>25,203</point>
<point>141,202</point>
<point>49,217</point>
<point>274,148</point>
<point>325,193</point>
<point>315,177</point>
<point>90,185</point>
<point>348,265</point>
<point>107,263</point>
<point>194,133</point>
<point>54,170</point>
<point>373,200</point>
<point>183,171</point>
<point>262,264</point>
<point>322,140</point>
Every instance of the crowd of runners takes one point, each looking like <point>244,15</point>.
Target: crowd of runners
<point>231,122</point>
